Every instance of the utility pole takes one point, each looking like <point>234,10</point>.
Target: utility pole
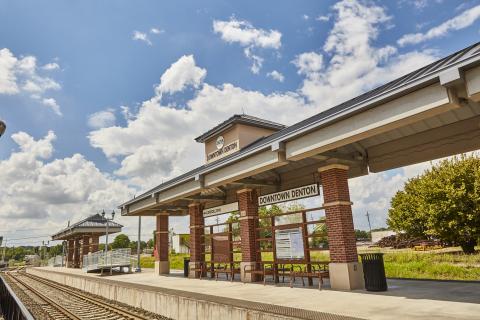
<point>369,225</point>
<point>138,244</point>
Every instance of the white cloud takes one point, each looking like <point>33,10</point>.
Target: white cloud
<point>243,33</point>
<point>21,76</point>
<point>308,63</point>
<point>305,17</point>
<point>52,103</point>
<point>156,31</point>
<point>51,66</point>
<point>38,192</point>
<point>355,65</point>
<point>102,119</point>
<point>461,21</point>
<point>323,18</point>
<point>275,75</point>
<point>8,78</point>
<point>157,143</point>
<point>141,36</point>
<point>181,74</point>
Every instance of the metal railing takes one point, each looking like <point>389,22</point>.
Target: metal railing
<point>11,306</point>
<point>56,261</point>
<point>112,259</point>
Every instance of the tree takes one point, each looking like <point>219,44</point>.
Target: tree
<point>150,243</point>
<point>121,241</point>
<point>361,234</point>
<point>444,203</point>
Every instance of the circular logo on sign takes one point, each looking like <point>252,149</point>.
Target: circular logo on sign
<point>220,142</point>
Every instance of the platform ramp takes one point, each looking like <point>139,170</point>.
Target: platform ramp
<point>99,261</point>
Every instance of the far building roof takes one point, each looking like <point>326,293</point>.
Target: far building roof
<point>239,119</point>
<point>93,225</point>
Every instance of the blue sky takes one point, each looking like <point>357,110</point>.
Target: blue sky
<point>72,68</point>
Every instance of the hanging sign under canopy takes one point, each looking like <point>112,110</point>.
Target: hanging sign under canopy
<point>215,211</point>
<point>289,195</point>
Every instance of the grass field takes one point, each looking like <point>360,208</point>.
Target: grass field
<point>445,264</point>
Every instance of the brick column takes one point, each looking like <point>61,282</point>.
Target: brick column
<point>248,206</point>
<point>345,271</point>
<point>197,247</point>
<point>70,250</point>
<point>76,254</point>
<point>162,264</point>
<point>85,247</point>
<point>94,243</point>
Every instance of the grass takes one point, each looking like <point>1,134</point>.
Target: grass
<point>431,265</point>
<point>449,264</point>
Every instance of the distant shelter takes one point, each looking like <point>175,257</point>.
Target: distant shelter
<point>82,237</point>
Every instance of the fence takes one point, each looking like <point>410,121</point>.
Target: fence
<point>112,259</point>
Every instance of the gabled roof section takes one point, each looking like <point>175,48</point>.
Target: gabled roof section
<point>94,221</point>
<point>242,119</point>
<point>419,78</point>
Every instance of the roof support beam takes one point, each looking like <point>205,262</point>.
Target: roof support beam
<point>254,182</point>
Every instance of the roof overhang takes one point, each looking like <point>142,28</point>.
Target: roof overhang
<point>78,232</point>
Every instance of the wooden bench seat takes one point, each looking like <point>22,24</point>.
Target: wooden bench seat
<point>317,270</point>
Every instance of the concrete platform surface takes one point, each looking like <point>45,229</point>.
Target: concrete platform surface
<point>405,299</point>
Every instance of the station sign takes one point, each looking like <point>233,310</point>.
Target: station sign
<point>215,211</point>
<point>223,149</point>
<point>289,195</point>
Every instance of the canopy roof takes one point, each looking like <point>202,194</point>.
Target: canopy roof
<point>385,128</point>
<point>95,224</point>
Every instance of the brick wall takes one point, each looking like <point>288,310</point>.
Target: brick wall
<point>341,234</point>
<point>248,205</point>
<point>197,223</point>
<point>162,237</point>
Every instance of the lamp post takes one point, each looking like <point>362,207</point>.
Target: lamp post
<point>106,228</point>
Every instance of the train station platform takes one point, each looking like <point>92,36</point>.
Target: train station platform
<point>181,298</point>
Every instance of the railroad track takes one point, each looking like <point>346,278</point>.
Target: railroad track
<point>50,300</point>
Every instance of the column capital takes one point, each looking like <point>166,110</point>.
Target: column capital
<point>333,166</point>
<point>244,190</point>
<point>194,204</point>
<point>164,213</point>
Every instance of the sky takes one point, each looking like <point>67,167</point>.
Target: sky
<point>103,99</point>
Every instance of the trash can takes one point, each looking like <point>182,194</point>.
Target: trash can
<point>374,272</point>
<point>186,262</point>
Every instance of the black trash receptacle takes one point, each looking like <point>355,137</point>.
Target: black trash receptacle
<point>186,262</point>
<point>374,272</point>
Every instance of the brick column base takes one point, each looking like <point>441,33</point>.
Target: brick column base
<point>345,271</point>
<point>248,206</point>
<point>162,263</point>
<point>197,247</point>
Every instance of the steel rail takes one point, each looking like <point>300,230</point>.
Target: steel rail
<point>51,302</point>
<point>109,307</point>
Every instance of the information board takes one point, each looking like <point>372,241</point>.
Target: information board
<point>289,244</point>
